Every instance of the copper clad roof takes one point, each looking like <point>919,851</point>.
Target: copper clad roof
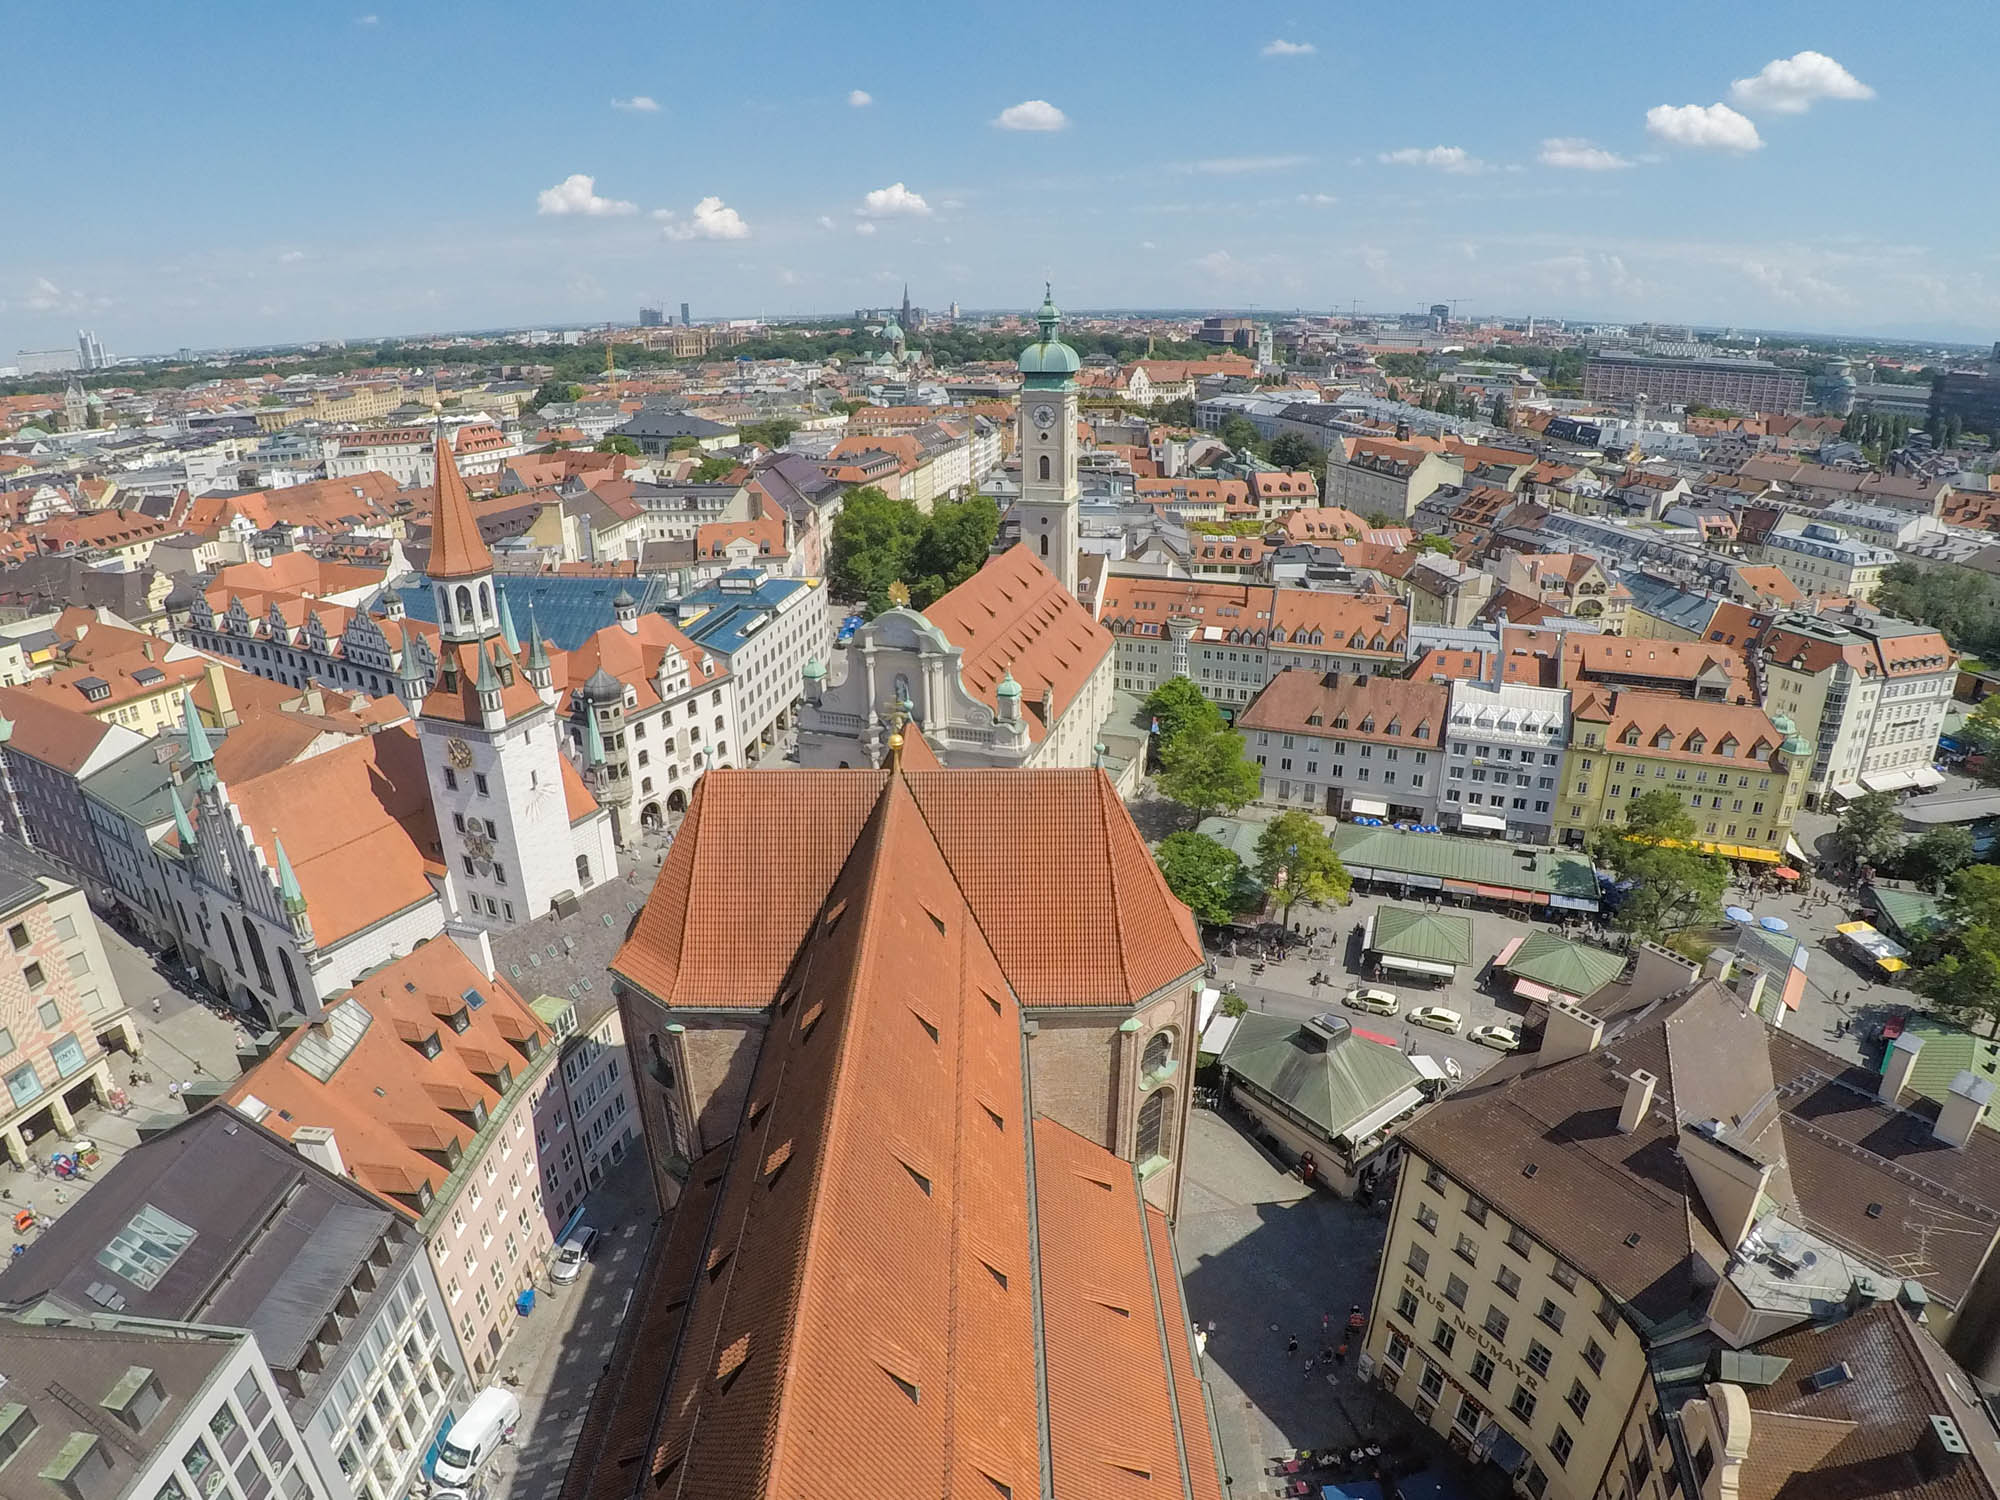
<point>457,549</point>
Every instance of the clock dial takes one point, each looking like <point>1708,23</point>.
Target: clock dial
<point>1045,416</point>
<point>458,753</point>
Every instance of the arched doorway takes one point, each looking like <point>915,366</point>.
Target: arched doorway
<point>649,817</point>
<point>677,801</point>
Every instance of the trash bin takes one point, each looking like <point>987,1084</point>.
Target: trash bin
<point>525,1303</point>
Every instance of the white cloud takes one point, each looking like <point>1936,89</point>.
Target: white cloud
<point>1792,85</point>
<point>638,104</point>
<point>577,194</point>
<point>1232,165</point>
<point>1216,263</point>
<point>1317,198</point>
<point>711,220</point>
<point>1031,114</point>
<point>1714,127</point>
<point>895,199</point>
<point>1283,48</point>
<point>291,257</point>
<point>864,227</point>
<point>787,276</point>
<point>825,221</point>
<point>1575,152</point>
<point>46,296</point>
<point>368,20</point>
<point>859,99</point>
<point>1147,245</point>
<point>1443,158</point>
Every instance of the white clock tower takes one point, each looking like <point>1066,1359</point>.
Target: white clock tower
<point>1047,507</point>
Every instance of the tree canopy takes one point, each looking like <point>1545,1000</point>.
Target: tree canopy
<point>1178,706</point>
<point>878,541</point>
<point>1297,862</point>
<point>1871,829</point>
<point>1206,876</point>
<point>1291,450</point>
<point>1206,770</point>
<point>1963,981</point>
<point>618,443</point>
<point>774,433</point>
<point>1674,886</point>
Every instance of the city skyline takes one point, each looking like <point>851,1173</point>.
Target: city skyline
<point>329,186</point>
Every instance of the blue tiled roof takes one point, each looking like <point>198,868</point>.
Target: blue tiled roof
<point>568,611</point>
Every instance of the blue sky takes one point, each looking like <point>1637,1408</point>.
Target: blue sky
<point>242,173</point>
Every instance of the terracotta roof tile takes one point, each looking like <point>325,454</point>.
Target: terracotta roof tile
<point>457,549</point>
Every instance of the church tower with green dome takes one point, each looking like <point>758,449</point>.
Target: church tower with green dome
<point>1047,445</point>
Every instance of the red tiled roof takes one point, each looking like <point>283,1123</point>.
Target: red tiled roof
<point>457,549</point>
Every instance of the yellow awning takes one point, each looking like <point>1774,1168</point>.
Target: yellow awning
<point>1892,965</point>
<point>1744,851</point>
<point>1848,929</point>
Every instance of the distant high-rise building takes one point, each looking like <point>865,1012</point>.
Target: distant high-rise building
<point>1440,314</point>
<point>33,362</point>
<point>954,312</point>
<point>91,352</point>
<point>685,319</point>
<point>651,317</point>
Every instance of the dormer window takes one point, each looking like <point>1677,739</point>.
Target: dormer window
<point>1631,735</point>
<point>430,1044</point>
<point>459,1019</point>
<point>1696,744</point>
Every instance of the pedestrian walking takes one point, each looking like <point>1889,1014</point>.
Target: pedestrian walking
<point>156,1005</point>
<point>1340,1354</point>
<point>1292,1344</point>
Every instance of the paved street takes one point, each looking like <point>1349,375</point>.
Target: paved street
<point>561,1348</point>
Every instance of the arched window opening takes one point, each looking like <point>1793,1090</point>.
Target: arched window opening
<point>1045,466</point>
<point>1153,1127</point>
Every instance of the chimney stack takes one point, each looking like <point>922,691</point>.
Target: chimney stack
<point>316,1144</point>
<point>1896,1067</point>
<point>1964,1107</point>
<point>1569,1032</point>
<point>1638,1100</point>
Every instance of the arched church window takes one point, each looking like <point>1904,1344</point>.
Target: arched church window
<point>1045,466</point>
<point>485,601</point>
<point>291,978</point>
<point>1045,544</point>
<point>1159,1051</point>
<point>1152,1126</point>
<point>463,605</point>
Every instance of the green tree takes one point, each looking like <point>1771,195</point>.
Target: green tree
<point>1207,771</point>
<point>1674,885</point>
<point>684,445</point>
<point>1178,707</point>
<point>1980,734</point>
<point>1297,862</point>
<point>1207,876</point>
<point>1434,544</point>
<point>1964,980</point>
<point>1937,856</point>
<point>1176,413</point>
<point>1291,450</point>
<point>270,400</point>
<point>552,391</point>
<point>774,433</point>
<point>956,538</point>
<point>1239,434</point>
<point>1503,414</point>
<point>1871,829</point>
<point>617,442</point>
<point>1232,1005</point>
<point>1403,366</point>
<point>874,545</point>
<point>714,469</point>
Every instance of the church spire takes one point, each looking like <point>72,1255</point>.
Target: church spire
<point>199,750</point>
<point>291,898</point>
<point>509,637</point>
<point>457,549</point>
<point>182,827</point>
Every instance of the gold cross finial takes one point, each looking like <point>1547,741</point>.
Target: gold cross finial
<point>899,594</point>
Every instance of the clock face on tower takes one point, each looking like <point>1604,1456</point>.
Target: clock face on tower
<point>1044,416</point>
<point>458,753</point>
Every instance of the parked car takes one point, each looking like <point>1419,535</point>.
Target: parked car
<point>1499,1038</point>
<point>1376,1002</point>
<point>575,1252</point>
<point>1437,1018</point>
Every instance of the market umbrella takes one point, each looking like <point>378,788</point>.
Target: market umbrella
<point>1772,924</point>
<point>1737,914</point>
<point>1786,872</point>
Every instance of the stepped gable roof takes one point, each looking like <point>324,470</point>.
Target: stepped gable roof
<point>1091,922</point>
<point>854,1300</point>
<point>457,548</point>
<point>1014,615</point>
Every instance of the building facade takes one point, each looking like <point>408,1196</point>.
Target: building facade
<point>1372,746</point>
<point>1742,384</point>
<point>1504,762</point>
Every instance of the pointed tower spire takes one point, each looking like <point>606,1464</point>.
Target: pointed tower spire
<point>183,829</point>
<point>200,752</point>
<point>540,675</point>
<point>508,635</point>
<point>593,740</point>
<point>457,549</point>
<point>293,899</point>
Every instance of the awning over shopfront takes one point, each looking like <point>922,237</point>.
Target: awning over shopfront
<point>1847,791</point>
<point>1381,1115</point>
<point>1415,966</point>
<point>1745,851</point>
<point>1929,776</point>
<point>1367,808</point>
<point>1572,903</point>
<point>1891,781</point>
<point>1513,946</point>
<point>1485,822</point>
<point>1527,989</point>
<point>1888,954</point>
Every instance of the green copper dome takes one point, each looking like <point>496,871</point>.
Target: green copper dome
<point>1049,361</point>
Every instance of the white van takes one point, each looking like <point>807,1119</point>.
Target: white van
<point>475,1437</point>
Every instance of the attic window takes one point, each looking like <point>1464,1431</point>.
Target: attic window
<point>431,1045</point>
<point>731,1364</point>
<point>994,1115</point>
<point>907,1387</point>
<point>1530,1170</point>
<point>775,1162</point>
<point>929,1030</point>
<point>17,1425</point>
<point>1632,1240</point>
<point>918,1178</point>
<point>460,1019</point>
<point>1874,1210</point>
<point>996,1273</point>
<point>994,1001</point>
<point>1832,1375</point>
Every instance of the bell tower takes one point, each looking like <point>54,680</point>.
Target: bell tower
<point>1047,445</point>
